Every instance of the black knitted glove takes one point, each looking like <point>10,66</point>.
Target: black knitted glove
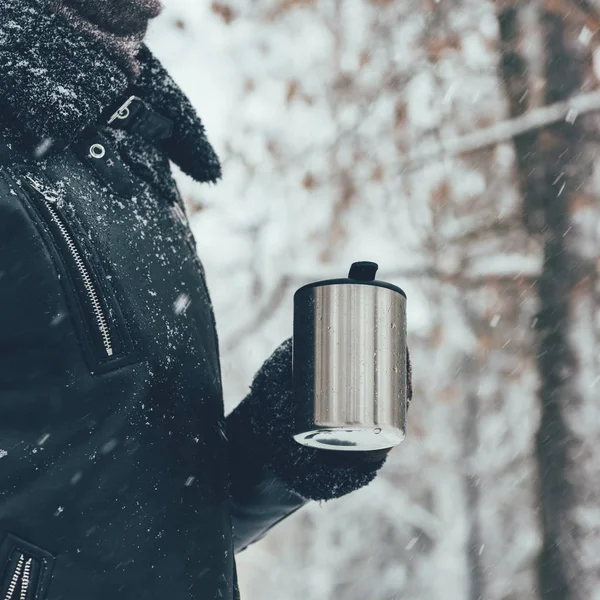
<point>263,424</point>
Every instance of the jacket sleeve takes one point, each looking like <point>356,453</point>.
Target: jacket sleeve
<point>272,476</point>
<point>259,499</point>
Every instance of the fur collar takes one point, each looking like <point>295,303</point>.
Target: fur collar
<point>56,81</point>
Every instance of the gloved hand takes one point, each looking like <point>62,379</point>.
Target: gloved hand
<point>263,424</point>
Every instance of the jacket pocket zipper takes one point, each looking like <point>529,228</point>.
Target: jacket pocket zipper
<point>51,202</point>
<point>25,569</point>
<point>21,574</point>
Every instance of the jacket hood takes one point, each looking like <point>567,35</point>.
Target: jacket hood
<point>56,81</point>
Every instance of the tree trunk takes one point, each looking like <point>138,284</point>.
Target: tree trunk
<point>555,165</point>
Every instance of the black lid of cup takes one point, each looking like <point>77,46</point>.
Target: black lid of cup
<point>361,273</point>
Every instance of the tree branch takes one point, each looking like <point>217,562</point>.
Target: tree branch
<point>503,131</point>
<point>278,293</point>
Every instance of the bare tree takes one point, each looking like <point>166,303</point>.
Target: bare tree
<point>556,165</point>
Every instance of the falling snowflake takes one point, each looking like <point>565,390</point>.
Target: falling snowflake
<point>181,303</point>
<point>585,36</point>
<point>59,318</point>
<point>3,453</point>
<point>109,446</point>
<point>571,116</point>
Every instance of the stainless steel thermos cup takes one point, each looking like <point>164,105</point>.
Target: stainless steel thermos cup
<point>349,362</point>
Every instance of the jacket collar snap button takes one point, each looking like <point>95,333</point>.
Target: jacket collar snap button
<point>97,151</point>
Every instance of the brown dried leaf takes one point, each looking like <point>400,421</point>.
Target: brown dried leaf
<point>309,181</point>
<point>440,195</point>
<point>224,11</point>
<point>580,200</point>
<point>377,174</point>
<point>400,115</point>
<point>437,336</point>
<point>286,6</point>
<point>448,394</point>
<point>486,342</point>
<point>292,90</point>
<point>438,45</point>
<point>364,59</point>
<point>273,148</point>
<point>310,100</point>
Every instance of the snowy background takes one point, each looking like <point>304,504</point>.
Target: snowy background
<point>320,111</point>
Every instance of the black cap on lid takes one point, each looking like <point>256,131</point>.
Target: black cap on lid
<point>363,271</point>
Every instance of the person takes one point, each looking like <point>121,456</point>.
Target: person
<point>121,476</point>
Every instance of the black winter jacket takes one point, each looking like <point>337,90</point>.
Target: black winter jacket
<point>120,477</point>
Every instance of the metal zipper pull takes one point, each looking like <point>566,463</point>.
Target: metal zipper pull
<point>48,193</point>
<point>123,111</point>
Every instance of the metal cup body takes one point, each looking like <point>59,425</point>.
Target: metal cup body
<point>349,366</point>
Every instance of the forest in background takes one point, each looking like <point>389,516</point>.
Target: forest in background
<point>454,142</point>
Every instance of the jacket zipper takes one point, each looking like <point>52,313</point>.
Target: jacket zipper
<point>51,198</point>
<point>22,573</point>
